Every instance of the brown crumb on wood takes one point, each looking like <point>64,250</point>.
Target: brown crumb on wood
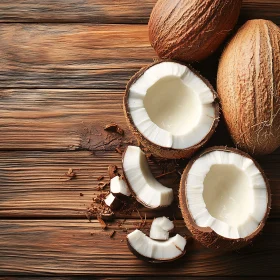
<point>118,150</point>
<point>122,240</point>
<point>81,194</point>
<point>114,128</point>
<point>100,178</point>
<point>102,185</point>
<point>70,173</point>
<point>102,223</point>
<point>112,171</point>
<point>111,235</point>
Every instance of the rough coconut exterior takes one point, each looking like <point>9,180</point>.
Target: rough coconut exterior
<point>249,87</point>
<point>191,30</point>
<point>205,235</point>
<point>169,153</point>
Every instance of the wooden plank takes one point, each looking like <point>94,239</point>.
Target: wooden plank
<point>60,119</point>
<point>104,11</point>
<point>32,184</point>
<point>67,247</point>
<point>129,278</point>
<point>72,56</point>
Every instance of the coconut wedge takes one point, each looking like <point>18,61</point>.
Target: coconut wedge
<point>144,187</point>
<point>160,228</point>
<point>156,251</point>
<point>224,198</point>
<point>171,109</point>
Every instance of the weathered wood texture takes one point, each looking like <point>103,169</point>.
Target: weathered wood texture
<point>34,183</point>
<point>105,11</point>
<point>67,247</point>
<point>71,56</point>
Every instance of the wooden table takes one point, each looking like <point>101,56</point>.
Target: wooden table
<point>63,69</point>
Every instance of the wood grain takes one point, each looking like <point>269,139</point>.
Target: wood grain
<point>104,11</point>
<point>67,248</point>
<point>72,56</point>
<point>33,184</point>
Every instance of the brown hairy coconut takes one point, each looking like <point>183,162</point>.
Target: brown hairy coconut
<point>171,109</point>
<point>249,87</point>
<point>225,198</point>
<point>191,30</point>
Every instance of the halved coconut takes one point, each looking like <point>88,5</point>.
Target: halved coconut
<point>119,188</point>
<point>171,109</point>
<point>224,198</point>
<point>160,228</point>
<point>156,251</point>
<point>144,187</point>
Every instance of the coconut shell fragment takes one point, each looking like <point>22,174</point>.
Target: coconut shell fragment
<point>191,30</point>
<point>249,87</point>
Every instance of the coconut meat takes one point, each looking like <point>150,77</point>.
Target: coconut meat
<point>171,249</point>
<point>145,187</point>
<point>172,106</point>
<point>111,201</point>
<point>160,228</point>
<point>119,186</point>
<point>226,192</point>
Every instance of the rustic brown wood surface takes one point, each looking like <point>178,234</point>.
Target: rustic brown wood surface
<point>63,69</point>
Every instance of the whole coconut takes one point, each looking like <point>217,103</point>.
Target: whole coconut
<point>249,87</point>
<point>191,30</point>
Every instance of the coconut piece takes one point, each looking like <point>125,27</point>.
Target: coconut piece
<point>119,188</point>
<point>171,109</point>
<point>160,228</point>
<point>112,202</point>
<point>156,251</point>
<point>224,198</point>
<point>249,87</point>
<point>191,30</point>
<point>144,187</point>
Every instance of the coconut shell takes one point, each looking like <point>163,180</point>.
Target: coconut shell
<point>205,235</point>
<point>191,30</point>
<point>249,87</point>
<point>164,152</point>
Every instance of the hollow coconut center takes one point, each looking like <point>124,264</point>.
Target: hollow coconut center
<point>226,192</point>
<point>171,106</point>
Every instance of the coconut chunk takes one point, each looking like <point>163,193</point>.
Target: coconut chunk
<point>112,202</point>
<point>119,188</point>
<point>160,228</point>
<point>141,182</point>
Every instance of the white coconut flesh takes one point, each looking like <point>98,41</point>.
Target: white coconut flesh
<point>160,228</point>
<point>119,186</point>
<point>110,199</point>
<point>226,192</point>
<point>159,250</point>
<point>171,106</point>
<point>146,188</point>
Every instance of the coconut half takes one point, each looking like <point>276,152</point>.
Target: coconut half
<point>160,228</point>
<point>156,251</point>
<point>224,198</point>
<point>144,187</point>
<point>171,109</point>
